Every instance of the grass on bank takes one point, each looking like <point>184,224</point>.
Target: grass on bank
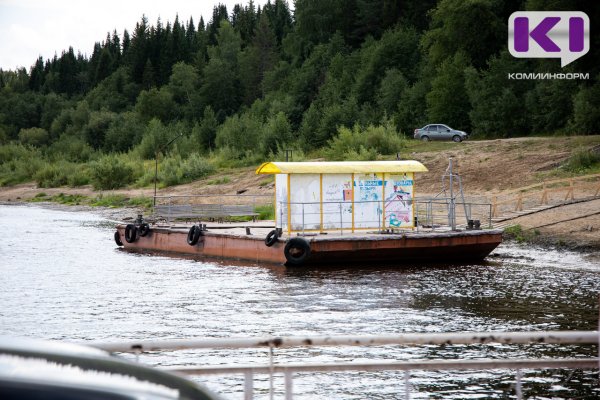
<point>102,200</point>
<point>265,212</point>
<point>219,181</point>
<point>520,235</point>
<point>582,161</point>
<point>61,198</point>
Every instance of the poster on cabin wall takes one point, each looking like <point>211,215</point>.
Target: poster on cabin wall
<point>368,200</point>
<point>281,201</point>
<point>337,201</point>
<point>398,192</point>
<point>305,202</point>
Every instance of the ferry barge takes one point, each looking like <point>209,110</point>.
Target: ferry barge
<point>332,213</point>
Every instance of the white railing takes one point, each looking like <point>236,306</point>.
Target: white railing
<point>288,369</point>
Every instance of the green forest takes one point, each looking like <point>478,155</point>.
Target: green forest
<point>337,79</point>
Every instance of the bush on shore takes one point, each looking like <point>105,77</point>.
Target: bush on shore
<point>112,172</point>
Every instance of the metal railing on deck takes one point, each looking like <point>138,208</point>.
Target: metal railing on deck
<point>171,207</point>
<point>429,214</point>
<point>288,369</point>
<point>252,199</point>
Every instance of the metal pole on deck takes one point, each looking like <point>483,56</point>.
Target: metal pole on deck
<point>169,212</point>
<point>160,149</point>
<point>155,177</point>
<point>417,218</point>
<point>303,218</point>
<point>379,219</point>
<point>430,214</point>
<point>341,220</point>
<point>451,219</point>
<point>280,216</point>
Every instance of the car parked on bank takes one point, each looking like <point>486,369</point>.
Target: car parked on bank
<point>440,132</point>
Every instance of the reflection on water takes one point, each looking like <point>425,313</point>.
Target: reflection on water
<point>63,278</point>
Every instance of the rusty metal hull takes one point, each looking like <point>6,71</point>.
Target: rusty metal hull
<point>437,247</point>
<point>424,248</point>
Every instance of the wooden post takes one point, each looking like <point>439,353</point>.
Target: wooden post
<point>519,206</point>
<point>494,205</point>
<point>544,195</point>
<point>570,191</point>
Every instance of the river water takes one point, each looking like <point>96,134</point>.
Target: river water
<point>63,278</point>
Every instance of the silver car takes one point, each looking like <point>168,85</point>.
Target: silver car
<point>439,132</point>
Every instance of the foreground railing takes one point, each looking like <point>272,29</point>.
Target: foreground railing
<point>288,369</point>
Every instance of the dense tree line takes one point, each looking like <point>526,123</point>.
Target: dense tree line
<point>255,80</point>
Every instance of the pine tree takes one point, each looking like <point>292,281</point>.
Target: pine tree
<point>221,87</point>
<point>36,76</point>
<point>280,18</point>
<point>191,41</point>
<point>148,77</point>
<point>126,43</point>
<point>139,50</point>
<point>67,72</point>
<point>105,65</point>
<point>243,20</point>
<point>219,15</point>
<point>257,59</point>
<point>115,50</point>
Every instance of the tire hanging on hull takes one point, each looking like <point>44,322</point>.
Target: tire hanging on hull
<point>144,229</point>
<point>118,239</point>
<point>131,232</point>
<point>296,251</point>
<point>194,235</point>
<point>271,238</point>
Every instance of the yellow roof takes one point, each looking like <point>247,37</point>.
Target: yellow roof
<point>340,167</point>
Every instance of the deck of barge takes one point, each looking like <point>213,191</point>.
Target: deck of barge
<point>260,229</point>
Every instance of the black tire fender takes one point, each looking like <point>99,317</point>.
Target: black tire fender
<point>118,239</point>
<point>131,232</point>
<point>271,238</point>
<point>296,251</point>
<point>144,229</point>
<point>194,235</point>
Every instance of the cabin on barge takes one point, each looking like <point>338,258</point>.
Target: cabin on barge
<point>332,213</point>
